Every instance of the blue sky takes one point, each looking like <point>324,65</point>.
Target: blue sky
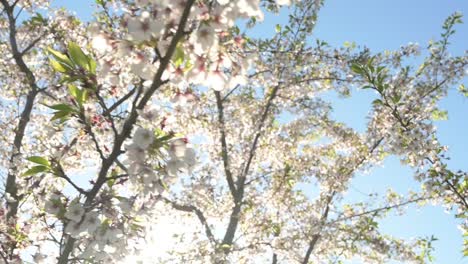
<point>381,25</point>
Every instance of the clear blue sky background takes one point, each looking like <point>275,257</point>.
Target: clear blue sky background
<point>381,25</point>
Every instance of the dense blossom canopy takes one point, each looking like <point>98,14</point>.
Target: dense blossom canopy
<point>155,133</point>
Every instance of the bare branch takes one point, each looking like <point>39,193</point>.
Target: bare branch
<point>385,208</point>
<point>198,212</point>
<point>275,259</point>
<point>32,44</point>
<point>90,132</point>
<point>106,113</point>
<point>224,148</point>
<point>119,102</point>
<point>63,175</point>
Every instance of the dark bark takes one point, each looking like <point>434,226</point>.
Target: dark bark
<point>11,187</point>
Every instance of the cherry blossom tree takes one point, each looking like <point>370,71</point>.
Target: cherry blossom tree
<point>161,111</point>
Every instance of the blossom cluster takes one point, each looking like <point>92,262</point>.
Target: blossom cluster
<point>165,112</point>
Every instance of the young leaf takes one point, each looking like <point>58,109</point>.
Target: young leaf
<point>38,20</point>
<point>377,102</point>
<point>78,56</point>
<point>73,90</point>
<point>39,160</point>
<point>356,68</point>
<point>60,115</point>
<point>110,183</point>
<point>178,57</point>
<point>80,95</point>
<point>92,66</point>
<point>463,90</point>
<point>278,28</point>
<point>57,66</point>
<point>63,107</point>
<point>396,99</point>
<point>60,57</point>
<point>35,170</point>
<point>438,115</point>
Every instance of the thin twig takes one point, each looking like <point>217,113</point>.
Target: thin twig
<point>198,212</point>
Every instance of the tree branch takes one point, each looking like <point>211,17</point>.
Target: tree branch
<point>324,217</point>
<point>90,132</point>
<point>11,186</point>
<point>316,236</point>
<point>119,102</point>
<point>376,210</point>
<point>275,259</point>
<point>198,212</point>
<point>63,175</point>
<point>32,44</point>
<point>235,215</point>
<point>240,185</point>
<point>106,112</point>
<point>224,148</point>
<point>458,194</point>
<point>128,124</point>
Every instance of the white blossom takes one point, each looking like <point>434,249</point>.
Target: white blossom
<point>75,212</point>
<point>143,138</point>
<point>144,27</point>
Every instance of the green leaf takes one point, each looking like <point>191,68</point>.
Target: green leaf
<point>236,30</point>
<point>78,56</point>
<point>35,170</point>
<point>110,183</point>
<point>73,90</point>
<point>80,95</point>
<point>225,246</point>
<point>463,90</point>
<point>439,115</point>
<point>278,28</point>
<point>356,68</point>
<point>63,107</point>
<point>60,115</point>
<point>92,66</point>
<point>69,79</point>
<point>188,65</point>
<point>38,20</point>
<point>276,229</point>
<point>178,57</point>
<point>57,66</point>
<point>39,160</point>
<point>291,183</point>
<point>350,45</point>
<point>60,57</point>
<point>377,102</point>
<point>396,99</point>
